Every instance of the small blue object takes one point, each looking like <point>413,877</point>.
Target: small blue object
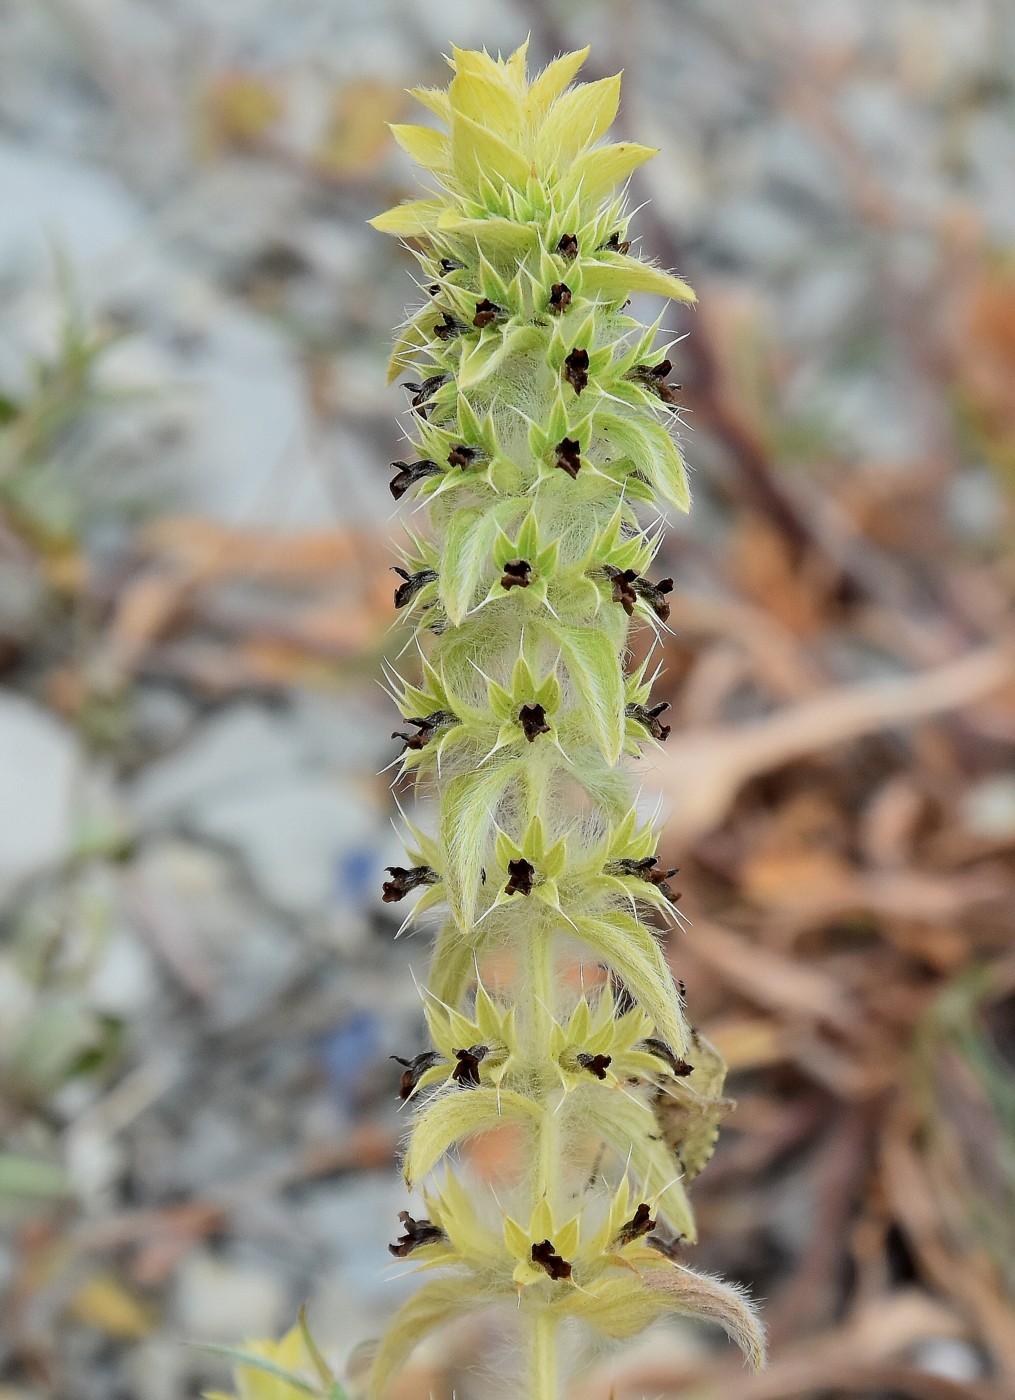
<point>357,874</point>
<point>349,1053</point>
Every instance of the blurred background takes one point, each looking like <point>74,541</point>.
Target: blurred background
<point>199,990</point>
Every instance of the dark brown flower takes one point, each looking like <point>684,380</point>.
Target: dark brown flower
<point>409,473</point>
<point>623,581</point>
<point>653,377</point>
<point>560,297</point>
<point>650,718</point>
<point>426,727</point>
<point>639,1224</point>
<point>645,870</point>
<point>576,369</point>
<point>654,595</point>
<point>466,1071</point>
<point>568,246</point>
<point>422,393</point>
<point>406,591</point>
<point>462,455</point>
<point>517,574</point>
<point>417,1232</point>
<point>614,245</point>
<point>487,312</point>
<point>595,1064</point>
<point>532,718</point>
<point>520,877</point>
<point>662,1051</point>
<point>403,881</point>
<point>449,326</point>
<point>568,452</point>
<point>414,1070</point>
<point>547,1258</point>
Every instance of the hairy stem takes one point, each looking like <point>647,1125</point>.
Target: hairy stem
<point>543,1368</point>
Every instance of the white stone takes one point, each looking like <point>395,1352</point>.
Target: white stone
<point>241,747</point>
<point>40,768</point>
<point>219,1301</point>
<point>988,808</point>
<point>49,203</point>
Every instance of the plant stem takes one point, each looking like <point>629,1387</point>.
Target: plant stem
<point>543,1385</point>
<point>537,993</point>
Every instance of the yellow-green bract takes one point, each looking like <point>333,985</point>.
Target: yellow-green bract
<point>541,452</point>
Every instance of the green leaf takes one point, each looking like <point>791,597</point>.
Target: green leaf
<point>453,962</point>
<point>664,467</point>
<point>327,1378</point>
<point>615,281</point>
<point>435,1304</point>
<point>597,675</point>
<point>458,1115</point>
<point>426,146</point>
<point>435,99</point>
<point>552,81</point>
<point>467,549</point>
<point>631,1128</point>
<point>477,151</point>
<point>413,219</point>
<point>486,357</point>
<point>466,820</point>
<point>616,1307</point>
<point>548,694</point>
<point>500,235</point>
<point>600,170</point>
<point>647,443</point>
<point>630,949</point>
<point>578,117</point>
<point>527,542</point>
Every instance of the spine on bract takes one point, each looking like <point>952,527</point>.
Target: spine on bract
<point>541,454</point>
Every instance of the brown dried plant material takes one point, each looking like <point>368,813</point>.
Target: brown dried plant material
<point>769,572</point>
<point>183,561</point>
<point>705,769</point>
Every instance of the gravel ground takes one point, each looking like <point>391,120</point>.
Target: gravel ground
<point>199,989</point>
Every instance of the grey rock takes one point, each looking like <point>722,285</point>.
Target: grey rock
<point>355,1220</point>
<point>823,304</point>
<point>239,749</point>
<point>988,808</point>
<point>254,782</point>
<point>218,1300</point>
<point>216,936</point>
<point>40,769</point>
<point>753,233</point>
<point>950,1357</point>
<point>975,504</point>
<point>156,1368</point>
<point>49,203</point>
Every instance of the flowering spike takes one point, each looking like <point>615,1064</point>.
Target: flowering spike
<point>543,460</point>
